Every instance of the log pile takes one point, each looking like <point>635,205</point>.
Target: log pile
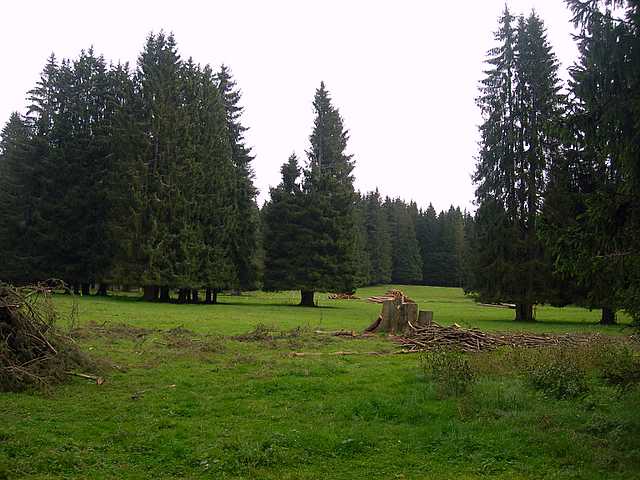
<point>454,337</point>
<point>342,296</point>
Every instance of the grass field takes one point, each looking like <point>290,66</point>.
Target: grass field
<point>210,405</point>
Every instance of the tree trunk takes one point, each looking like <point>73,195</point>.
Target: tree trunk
<point>524,312</point>
<point>306,299</point>
<point>194,296</point>
<point>608,316</point>
<point>102,290</point>
<point>208,296</point>
<point>165,294</point>
<point>150,293</point>
<point>184,295</point>
<point>86,289</point>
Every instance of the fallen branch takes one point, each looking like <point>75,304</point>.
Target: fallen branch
<point>319,354</point>
<point>98,380</point>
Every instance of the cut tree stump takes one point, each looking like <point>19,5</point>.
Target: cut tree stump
<point>425,318</point>
<point>396,316</point>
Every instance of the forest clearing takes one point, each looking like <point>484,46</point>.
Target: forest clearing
<point>195,391</point>
<point>426,267</point>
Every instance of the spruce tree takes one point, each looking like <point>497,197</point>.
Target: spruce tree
<point>378,240</point>
<point>406,260</point>
<point>330,262</point>
<point>522,107</point>
<point>244,246</point>
<point>14,182</point>
<point>363,261</point>
<point>599,179</point>
<point>284,238</point>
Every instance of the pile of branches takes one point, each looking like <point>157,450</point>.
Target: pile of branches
<point>33,350</point>
<point>433,336</point>
<point>393,294</point>
<point>342,296</point>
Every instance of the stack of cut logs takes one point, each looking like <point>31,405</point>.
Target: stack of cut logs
<point>433,336</point>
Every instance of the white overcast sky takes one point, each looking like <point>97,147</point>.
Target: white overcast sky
<point>404,74</point>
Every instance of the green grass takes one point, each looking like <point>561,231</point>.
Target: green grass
<point>245,409</point>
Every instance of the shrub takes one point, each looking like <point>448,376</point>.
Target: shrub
<point>450,370</point>
<point>556,373</point>
<point>620,366</point>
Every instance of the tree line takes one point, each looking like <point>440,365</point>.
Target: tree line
<point>557,175</point>
<point>138,176</point>
<point>141,176</point>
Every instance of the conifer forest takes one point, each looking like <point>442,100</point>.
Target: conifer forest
<point>152,298</point>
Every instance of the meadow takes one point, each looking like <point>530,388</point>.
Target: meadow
<point>211,391</point>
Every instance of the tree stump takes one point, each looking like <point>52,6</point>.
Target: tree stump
<point>396,316</point>
<point>408,314</point>
<point>425,317</point>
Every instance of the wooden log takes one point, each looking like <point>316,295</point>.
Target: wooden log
<point>408,315</point>
<point>425,317</point>
<point>389,313</point>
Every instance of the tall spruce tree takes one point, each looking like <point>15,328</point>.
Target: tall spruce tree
<point>14,179</point>
<point>599,179</point>
<point>244,245</point>
<point>521,106</point>
<point>330,263</point>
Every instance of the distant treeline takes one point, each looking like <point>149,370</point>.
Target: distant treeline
<point>407,245</point>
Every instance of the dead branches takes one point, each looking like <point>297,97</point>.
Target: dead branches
<point>33,351</point>
<point>342,296</point>
<point>434,336</point>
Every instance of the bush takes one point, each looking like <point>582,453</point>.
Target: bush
<point>450,370</point>
<point>620,366</point>
<point>556,373</point>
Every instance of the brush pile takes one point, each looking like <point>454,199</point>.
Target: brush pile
<point>433,336</point>
<point>342,296</point>
<point>33,351</point>
<point>393,294</point>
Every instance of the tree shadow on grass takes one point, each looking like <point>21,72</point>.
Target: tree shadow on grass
<point>230,300</point>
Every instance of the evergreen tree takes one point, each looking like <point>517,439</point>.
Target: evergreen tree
<point>521,105</point>
<point>363,261</point>
<point>406,260</point>
<point>14,177</point>
<point>282,231</point>
<point>427,233</point>
<point>599,179</point>
<point>244,245</point>
<point>329,197</point>
<point>378,240</point>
